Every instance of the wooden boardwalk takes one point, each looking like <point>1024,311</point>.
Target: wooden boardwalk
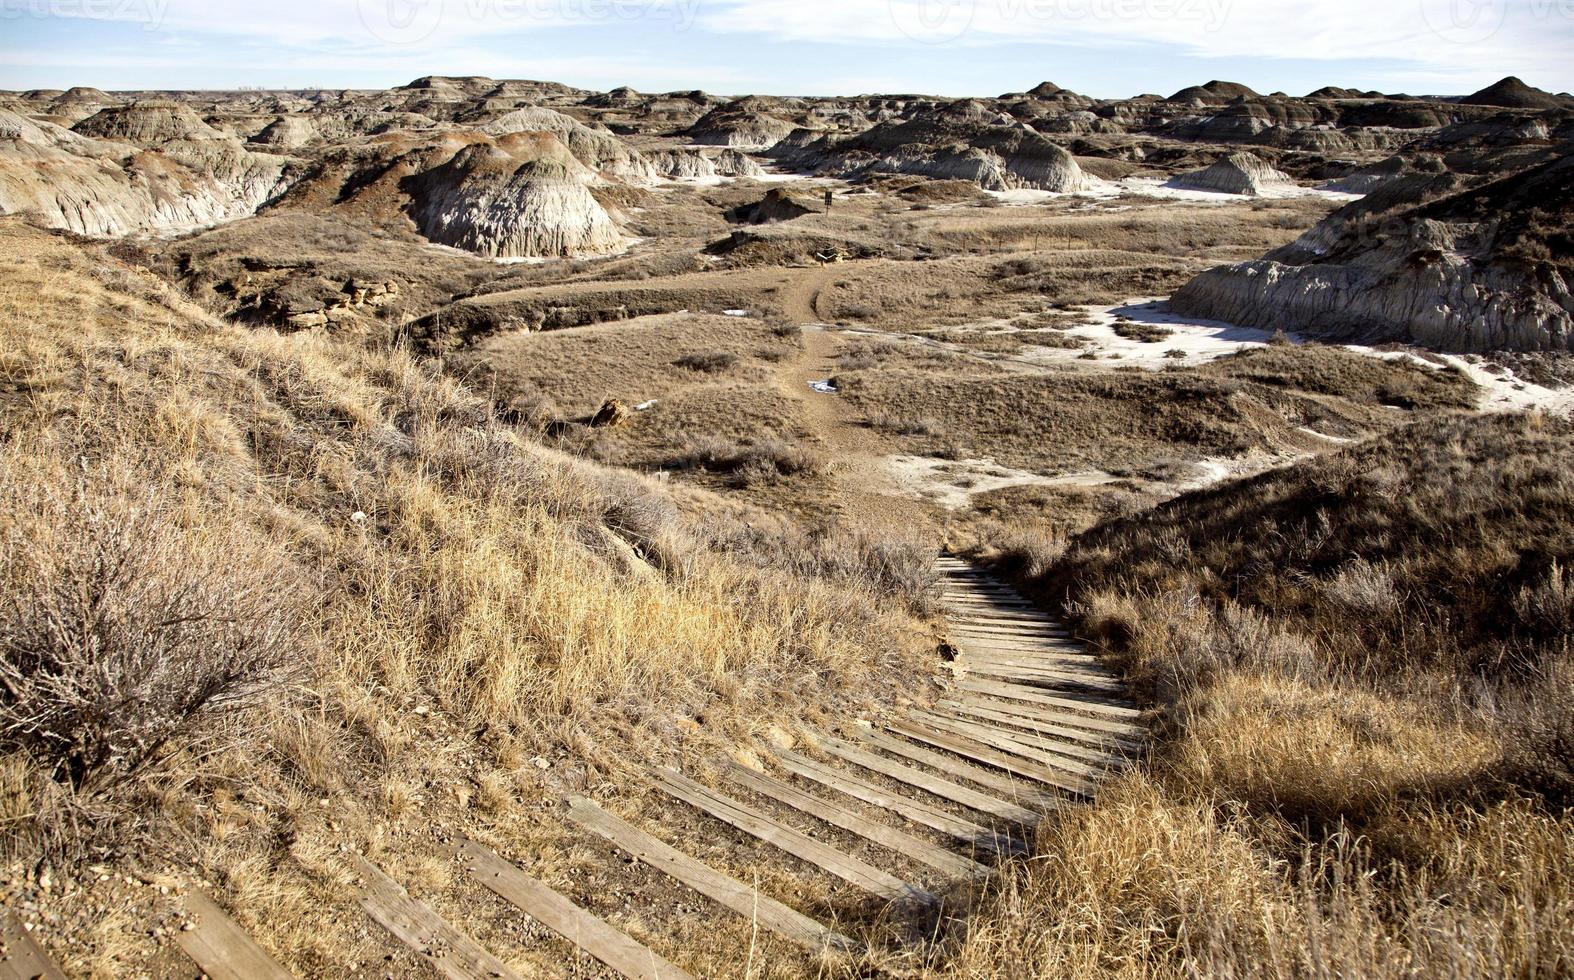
<point>902,808</point>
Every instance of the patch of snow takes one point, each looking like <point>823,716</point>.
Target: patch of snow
<point>824,387</point>
<point>952,483</point>
<point>1098,189</point>
<point>1194,341</point>
<point>734,312</point>
<point>647,406</point>
<point>1323,435</point>
<point>1501,390</point>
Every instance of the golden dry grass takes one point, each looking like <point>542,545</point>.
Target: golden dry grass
<point>1360,665</point>
<point>490,623</point>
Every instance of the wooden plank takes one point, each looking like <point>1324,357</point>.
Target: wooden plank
<point>929,782</point>
<point>723,890</point>
<point>1011,612</point>
<point>21,956</point>
<point>1051,644</point>
<point>1022,790</point>
<point>1005,632</point>
<point>1041,675</point>
<point>1028,745</point>
<point>917,811</point>
<point>449,951</point>
<point>1131,736</point>
<point>987,711</point>
<point>886,836</point>
<point>970,749</point>
<point>876,882</point>
<point>626,956</point>
<point>968,691</point>
<point>219,947</point>
<point>1081,665</point>
<point>1027,640</point>
<point>1040,696</point>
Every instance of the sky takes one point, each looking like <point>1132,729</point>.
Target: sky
<point>1103,48</point>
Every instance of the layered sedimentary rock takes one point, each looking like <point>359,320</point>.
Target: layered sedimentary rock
<point>745,122</point>
<point>287,132</point>
<point>1451,262</point>
<point>950,144</point>
<point>103,189</point>
<point>693,163</point>
<point>521,196</point>
<point>1238,173</point>
<point>148,123</point>
<point>597,149</point>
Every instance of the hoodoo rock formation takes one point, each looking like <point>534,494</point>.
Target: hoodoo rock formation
<point>521,196</point>
<point>1238,173</point>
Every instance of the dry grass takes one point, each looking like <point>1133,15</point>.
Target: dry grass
<point>635,361</point>
<point>1361,665</point>
<point>493,623</point>
<point>1128,421</point>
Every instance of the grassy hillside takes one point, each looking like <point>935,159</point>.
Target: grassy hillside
<point>1364,666</point>
<point>270,597</point>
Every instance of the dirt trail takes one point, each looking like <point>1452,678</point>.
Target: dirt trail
<point>864,492</point>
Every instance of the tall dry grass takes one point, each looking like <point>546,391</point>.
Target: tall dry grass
<point>476,622</point>
<point>1360,667</point>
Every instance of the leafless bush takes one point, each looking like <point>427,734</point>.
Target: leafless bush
<point>1363,587</point>
<point>749,464</point>
<point>1142,333</point>
<point>709,362</point>
<point>890,564</point>
<point>121,632</point>
<point>1548,608</point>
<point>901,425</point>
<point>1539,734</point>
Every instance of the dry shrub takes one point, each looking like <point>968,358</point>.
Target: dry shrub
<point>1362,670</point>
<point>122,632</point>
<point>889,564</point>
<point>1538,724</point>
<point>761,461</point>
<point>1363,588</point>
<point>1142,333</point>
<point>709,362</point>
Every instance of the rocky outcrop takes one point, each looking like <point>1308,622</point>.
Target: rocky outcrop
<point>360,297</point>
<point>1213,93</point>
<point>597,149</point>
<point>776,205</point>
<point>523,195</point>
<point>1444,261</point>
<point>287,133</point>
<point>693,163</point>
<point>745,122</point>
<point>1511,93</point>
<point>148,123</point>
<point>940,145</point>
<point>103,189</point>
<point>1238,173</point>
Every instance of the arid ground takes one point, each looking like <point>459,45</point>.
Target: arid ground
<point>381,469</point>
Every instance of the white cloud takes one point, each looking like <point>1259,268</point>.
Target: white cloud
<point>1453,36</point>
<point>1439,45</point>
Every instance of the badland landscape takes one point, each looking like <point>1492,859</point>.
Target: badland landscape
<point>486,528</point>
